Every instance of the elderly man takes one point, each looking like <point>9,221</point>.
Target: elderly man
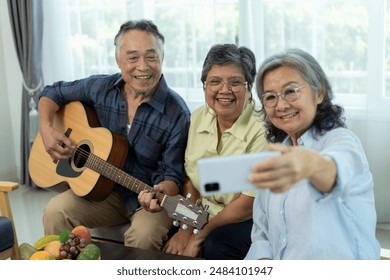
<point>138,104</point>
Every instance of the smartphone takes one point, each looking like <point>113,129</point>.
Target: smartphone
<point>228,174</point>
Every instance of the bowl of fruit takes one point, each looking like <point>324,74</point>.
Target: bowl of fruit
<point>68,245</point>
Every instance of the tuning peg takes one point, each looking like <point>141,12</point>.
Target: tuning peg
<point>196,231</point>
<point>198,201</point>
<point>188,196</point>
<point>184,226</point>
<point>207,207</point>
<point>176,223</point>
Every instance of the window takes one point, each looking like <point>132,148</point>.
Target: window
<point>348,37</point>
<point>190,29</point>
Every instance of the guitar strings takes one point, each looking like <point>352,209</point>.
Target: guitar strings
<point>113,173</point>
<point>117,175</point>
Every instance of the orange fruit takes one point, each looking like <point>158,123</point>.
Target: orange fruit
<point>42,255</point>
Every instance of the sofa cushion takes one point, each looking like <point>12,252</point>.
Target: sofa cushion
<point>6,233</point>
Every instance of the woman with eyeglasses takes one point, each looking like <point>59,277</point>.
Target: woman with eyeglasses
<point>315,199</point>
<point>227,124</point>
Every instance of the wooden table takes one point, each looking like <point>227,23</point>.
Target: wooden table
<point>116,251</point>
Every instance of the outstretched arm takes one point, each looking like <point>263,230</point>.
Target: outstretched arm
<point>280,173</point>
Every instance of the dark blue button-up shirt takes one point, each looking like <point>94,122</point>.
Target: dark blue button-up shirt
<point>158,135</point>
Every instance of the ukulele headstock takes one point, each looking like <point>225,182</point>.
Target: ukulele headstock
<point>181,209</point>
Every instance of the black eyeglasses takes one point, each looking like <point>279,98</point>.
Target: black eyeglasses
<point>288,94</point>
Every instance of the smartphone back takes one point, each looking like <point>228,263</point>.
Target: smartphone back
<point>228,174</point>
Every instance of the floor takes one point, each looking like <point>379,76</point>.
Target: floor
<point>28,203</point>
<point>27,206</point>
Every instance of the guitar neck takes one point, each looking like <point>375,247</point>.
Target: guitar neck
<point>119,176</point>
<point>80,124</point>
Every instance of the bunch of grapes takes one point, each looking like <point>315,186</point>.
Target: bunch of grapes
<point>71,248</point>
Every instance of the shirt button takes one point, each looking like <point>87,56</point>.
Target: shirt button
<point>284,240</point>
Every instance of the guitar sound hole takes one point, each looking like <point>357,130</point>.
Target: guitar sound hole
<point>81,155</point>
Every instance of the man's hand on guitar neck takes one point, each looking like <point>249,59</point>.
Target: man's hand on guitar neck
<point>150,200</point>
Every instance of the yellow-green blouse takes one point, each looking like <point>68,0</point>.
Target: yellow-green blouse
<point>245,136</point>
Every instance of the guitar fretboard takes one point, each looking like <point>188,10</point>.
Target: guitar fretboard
<point>117,175</point>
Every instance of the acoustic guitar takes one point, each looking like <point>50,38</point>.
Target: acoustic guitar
<point>95,165</point>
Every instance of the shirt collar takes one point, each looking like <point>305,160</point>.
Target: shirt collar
<point>209,122</point>
<point>118,82</point>
<point>158,99</point>
<point>306,139</point>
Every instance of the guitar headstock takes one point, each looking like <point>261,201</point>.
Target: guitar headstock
<point>181,209</point>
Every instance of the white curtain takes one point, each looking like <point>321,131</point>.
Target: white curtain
<point>349,38</point>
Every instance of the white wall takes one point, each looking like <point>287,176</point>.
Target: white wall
<point>10,106</point>
<point>378,155</point>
